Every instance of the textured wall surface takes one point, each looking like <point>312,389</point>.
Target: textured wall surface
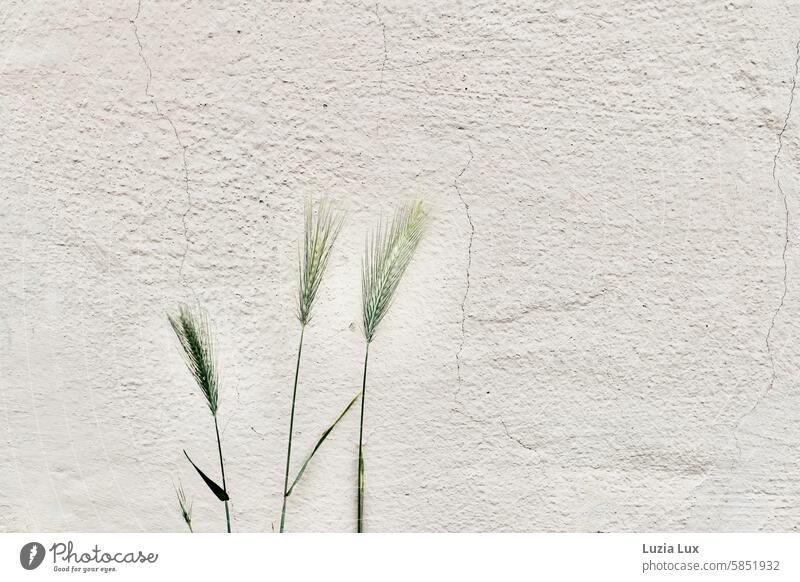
<point>598,333</point>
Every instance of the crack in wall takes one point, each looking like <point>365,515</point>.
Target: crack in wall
<point>261,434</point>
<point>776,313</point>
<point>667,516</point>
<point>517,440</point>
<point>786,219</point>
<point>165,117</point>
<point>469,263</point>
<point>468,416</point>
<point>382,24</point>
<point>527,447</point>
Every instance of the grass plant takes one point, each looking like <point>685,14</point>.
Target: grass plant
<point>321,231</point>
<point>185,505</point>
<point>389,251</point>
<point>193,331</point>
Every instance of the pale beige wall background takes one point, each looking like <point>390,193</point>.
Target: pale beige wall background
<point>598,334</point>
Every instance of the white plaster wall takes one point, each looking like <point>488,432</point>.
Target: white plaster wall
<point>598,334</point>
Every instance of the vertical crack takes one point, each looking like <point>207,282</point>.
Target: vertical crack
<point>178,139</point>
<point>382,24</point>
<point>786,218</point>
<point>784,198</point>
<point>469,262</point>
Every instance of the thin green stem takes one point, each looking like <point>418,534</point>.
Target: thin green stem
<point>291,430</point>
<point>222,470</point>
<point>360,447</point>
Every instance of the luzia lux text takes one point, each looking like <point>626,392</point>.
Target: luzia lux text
<point>669,549</point>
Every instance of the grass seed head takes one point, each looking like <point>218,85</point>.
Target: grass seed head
<point>321,231</point>
<point>194,334</point>
<point>389,251</point>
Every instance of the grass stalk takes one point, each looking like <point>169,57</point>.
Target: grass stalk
<point>291,430</point>
<point>222,470</point>
<point>360,522</point>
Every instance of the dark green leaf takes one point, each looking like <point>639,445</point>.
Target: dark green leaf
<point>215,489</point>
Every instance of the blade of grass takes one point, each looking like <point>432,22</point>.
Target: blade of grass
<point>321,440</point>
<point>215,489</point>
